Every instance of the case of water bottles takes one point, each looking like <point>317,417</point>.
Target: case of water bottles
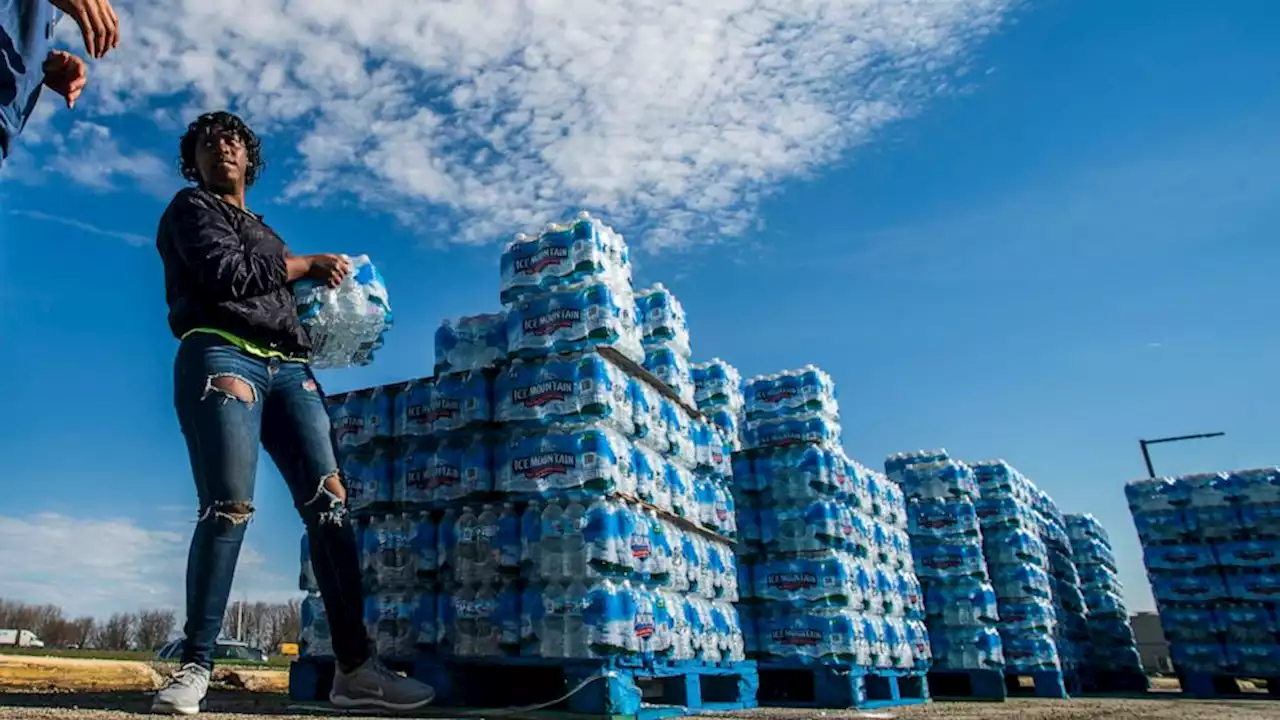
<point>960,601</point>
<point>717,391</point>
<point>1211,546</point>
<point>569,289</point>
<point>536,498</point>
<point>471,342</point>
<point>827,562</point>
<point>662,321</point>
<point>1112,646</point>
<point>346,324</point>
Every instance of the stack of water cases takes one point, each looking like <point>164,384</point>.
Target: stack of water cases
<point>1018,561</point>
<point>1112,660</point>
<point>947,543</point>
<point>543,496</point>
<point>718,393</point>
<point>1211,544</point>
<point>1071,634</point>
<point>832,581</point>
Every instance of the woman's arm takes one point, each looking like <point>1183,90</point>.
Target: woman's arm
<point>209,246</point>
<point>296,266</point>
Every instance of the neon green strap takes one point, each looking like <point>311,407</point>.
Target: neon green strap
<point>245,345</point>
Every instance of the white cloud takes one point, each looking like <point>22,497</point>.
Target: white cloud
<point>89,155</point>
<point>669,117</point>
<point>97,566</point>
<point>130,238</point>
<point>86,153</point>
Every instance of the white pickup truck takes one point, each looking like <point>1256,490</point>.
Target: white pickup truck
<point>19,638</point>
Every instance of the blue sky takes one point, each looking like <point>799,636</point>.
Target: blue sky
<point>1057,243</point>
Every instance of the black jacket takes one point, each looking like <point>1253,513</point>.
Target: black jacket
<point>224,269</point>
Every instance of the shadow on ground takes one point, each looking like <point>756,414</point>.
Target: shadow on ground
<point>219,701</point>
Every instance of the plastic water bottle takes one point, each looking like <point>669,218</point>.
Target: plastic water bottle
<point>315,639</point>
<point>425,608</point>
<point>488,630</point>
<point>530,540</point>
<point>307,574</point>
<point>465,554</point>
<point>423,539</point>
<point>600,536</point>
<point>532,616</point>
<point>577,638</point>
<point>553,621</point>
<point>552,543</point>
<point>447,544</point>
<point>464,610</point>
<point>508,618</point>
<point>485,568</point>
<point>510,540</point>
<point>574,547</point>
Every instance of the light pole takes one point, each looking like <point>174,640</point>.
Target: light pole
<point>1147,455</point>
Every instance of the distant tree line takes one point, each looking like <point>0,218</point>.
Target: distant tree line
<point>261,624</point>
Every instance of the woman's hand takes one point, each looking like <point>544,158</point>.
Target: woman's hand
<point>329,268</point>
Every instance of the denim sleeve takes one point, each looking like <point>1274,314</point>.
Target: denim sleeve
<point>210,247</point>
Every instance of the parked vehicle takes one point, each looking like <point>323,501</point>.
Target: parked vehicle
<point>226,650</point>
<point>20,638</point>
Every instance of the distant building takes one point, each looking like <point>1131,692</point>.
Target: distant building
<point>1152,647</point>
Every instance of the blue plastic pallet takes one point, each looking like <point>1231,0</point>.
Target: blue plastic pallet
<point>983,684</point>
<point>1103,681</point>
<point>614,691</point>
<point>1209,685</point>
<point>1047,684</point>
<point>785,684</point>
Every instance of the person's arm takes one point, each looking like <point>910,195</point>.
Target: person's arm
<point>296,266</point>
<point>209,246</point>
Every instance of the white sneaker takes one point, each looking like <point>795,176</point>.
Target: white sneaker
<point>184,693</point>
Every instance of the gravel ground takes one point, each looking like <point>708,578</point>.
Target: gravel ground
<point>230,705</point>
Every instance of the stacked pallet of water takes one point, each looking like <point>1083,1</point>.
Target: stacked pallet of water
<point>1112,661</point>
<point>550,499</point>
<point>1211,545</point>
<point>834,600</point>
<point>947,544</point>
<point>1019,563</point>
<point>1071,633</point>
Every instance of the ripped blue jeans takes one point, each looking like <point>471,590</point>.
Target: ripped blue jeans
<point>228,403</point>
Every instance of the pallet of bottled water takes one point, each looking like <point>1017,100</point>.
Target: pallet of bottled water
<point>1211,546</point>
<point>1112,661</point>
<point>831,593</point>
<point>346,324</point>
<point>1013,513</point>
<point>552,497</point>
<point>961,615</point>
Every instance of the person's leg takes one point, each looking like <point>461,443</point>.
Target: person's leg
<point>218,393</point>
<point>297,434</point>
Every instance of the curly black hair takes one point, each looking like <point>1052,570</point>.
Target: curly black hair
<point>223,122</point>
